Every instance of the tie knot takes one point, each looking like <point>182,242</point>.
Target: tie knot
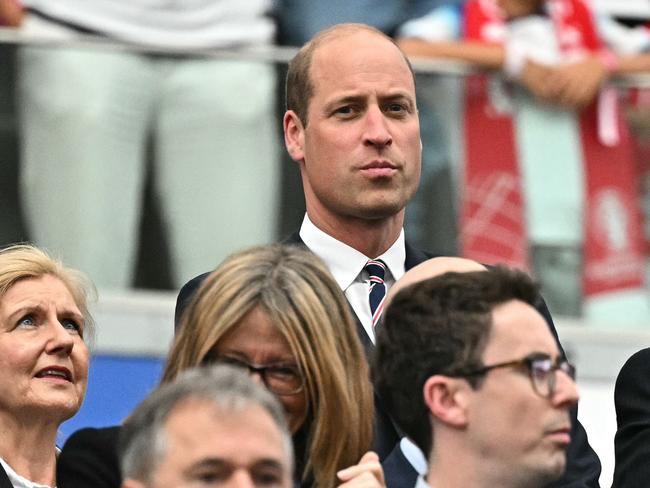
<point>376,269</point>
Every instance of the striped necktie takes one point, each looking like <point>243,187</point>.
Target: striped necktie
<point>377,294</point>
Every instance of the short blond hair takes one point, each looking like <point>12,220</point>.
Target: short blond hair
<point>23,261</point>
<point>295,289</point>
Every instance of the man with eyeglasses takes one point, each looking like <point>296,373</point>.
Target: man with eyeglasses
<point>472,374</point>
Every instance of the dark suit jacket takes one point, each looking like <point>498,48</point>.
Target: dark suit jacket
<point>89,459</point>
<point>632,440</point>
<point>4,479</point>
<point>583,465</point>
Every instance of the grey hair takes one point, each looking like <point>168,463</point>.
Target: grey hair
<point>142,440</point>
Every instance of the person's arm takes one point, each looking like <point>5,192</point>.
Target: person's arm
<point>572,85</point>
<point>632,64</point>
<point>11,13</point>
<point>483,55</point>
<point>632,440</point>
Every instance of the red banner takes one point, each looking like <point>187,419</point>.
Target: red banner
<point>613,249</point>
<point>492,225</point>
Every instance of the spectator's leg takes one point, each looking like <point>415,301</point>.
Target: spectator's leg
<point>83,118</point>
<point>217,152</point>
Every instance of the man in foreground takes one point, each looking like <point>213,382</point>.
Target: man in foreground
<point>468,368</point>
<point>213,427</point>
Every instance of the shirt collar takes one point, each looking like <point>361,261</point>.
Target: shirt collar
<point>421,483</point>
<point>344,262</point>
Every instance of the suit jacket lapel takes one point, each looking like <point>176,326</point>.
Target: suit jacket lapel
<point>4,479</point>
<point>414,256</point>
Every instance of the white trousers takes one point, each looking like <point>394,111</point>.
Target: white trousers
<point>86,119</point>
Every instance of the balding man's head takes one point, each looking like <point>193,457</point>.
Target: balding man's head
<point>299,85</point>
<point>433,267</point>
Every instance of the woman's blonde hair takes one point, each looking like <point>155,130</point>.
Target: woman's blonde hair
<point>24,261</point>
<point>302,299</point>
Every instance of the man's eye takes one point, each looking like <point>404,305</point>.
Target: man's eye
<point>210,478</point>
<point>396,108</point>
<point>26,321</point>
<point>346,110</point>
<point>267,477</point>
<point>541,368</point>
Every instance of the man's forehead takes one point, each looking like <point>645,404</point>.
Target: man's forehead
<point>518,329</point>
<point>355,49</point>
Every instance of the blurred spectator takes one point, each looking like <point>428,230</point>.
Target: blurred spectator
<point>44,358</point>
<point>564,200</point>
<point>632,440</point>
<point>91,120</point>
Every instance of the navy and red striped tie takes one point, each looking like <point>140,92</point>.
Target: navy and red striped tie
<point>376,269</point>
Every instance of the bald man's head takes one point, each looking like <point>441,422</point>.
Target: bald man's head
<point>433,267</point>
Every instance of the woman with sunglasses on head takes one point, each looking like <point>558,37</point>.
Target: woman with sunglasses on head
<point>276,312</point>
<point>43,358</point>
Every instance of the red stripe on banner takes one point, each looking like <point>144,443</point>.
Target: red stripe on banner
<point>613,252</point>
<point>492,220</point>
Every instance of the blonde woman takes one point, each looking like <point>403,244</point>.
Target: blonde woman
<point>277,312</point>
<point>43,358</point>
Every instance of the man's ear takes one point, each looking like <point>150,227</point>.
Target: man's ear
<point>131,483</point>
<point>294,136</point>
<point>446,399</point>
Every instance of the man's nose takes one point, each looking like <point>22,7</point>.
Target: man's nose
<point>377,132</point>
<point>241,478</point>
<point>566,390</point>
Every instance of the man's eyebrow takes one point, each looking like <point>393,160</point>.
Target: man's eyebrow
<point>400,96</point>
<point>343,99</point>
<point>210,462</point>
<point>217,462</point>
<point>268,463</point>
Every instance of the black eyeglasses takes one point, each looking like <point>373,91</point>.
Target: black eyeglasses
<point>540,368</point>
<point>281,379</point>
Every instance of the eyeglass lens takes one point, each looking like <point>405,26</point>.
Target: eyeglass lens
<point>543,373</point>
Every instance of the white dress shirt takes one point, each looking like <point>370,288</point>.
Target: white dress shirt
<point>347,266</point>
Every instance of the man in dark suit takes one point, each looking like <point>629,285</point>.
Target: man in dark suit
<point>632,440</point>
<point>469,369</point>
<point>352,127</point>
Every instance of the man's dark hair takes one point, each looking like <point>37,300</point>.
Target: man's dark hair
<point>438,326</point>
